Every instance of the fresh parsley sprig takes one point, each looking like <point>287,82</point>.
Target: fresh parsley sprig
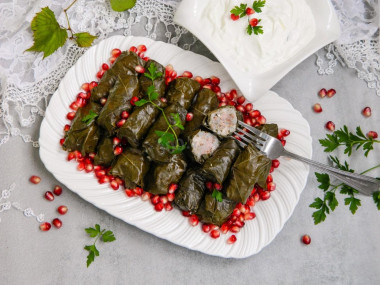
<point>90,117</point>
<point>168,138</point>
<point>217,195</point>
<point>329,201</point>
<point>343,137</point>
<point>242,11</point>
<point>96,232</point>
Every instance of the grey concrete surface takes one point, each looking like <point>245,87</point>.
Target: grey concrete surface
<point>345,249</point>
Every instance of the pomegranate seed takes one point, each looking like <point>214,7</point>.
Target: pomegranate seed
<point>70,116</point>
<point>155,199</point>
<point>248,107</point>
<point>85,87</point>
<point>103,101</point>
<point>256,197</point>
<point>91,155</point>
<point>317,108</point>
<point>235,229</point>
<point>116,141</point>
<point>306,239</point>
<point>129,192</point>
<point>283,142</point>
<point>255,114</point>
<point>97,168</point>
<point>35,179</point>
<point>240,108</point>
<point>249,11</point>
<point>261,120</point>
<point>223,99</point>
<point>269,178</point>
<point>217,186</point>
<point>271,186</point>
<point>222,104</point>
<point>134,99</point>
<point>216,89</point>
<point>215,234</point>
<point>209,185</point>
<point>215,80</point>
<point>138,191</point>
<point>57,190</point>
<point>114,185</point>
<point>100,173</point>
<point>100,74</point>
<point>57,223</point>
<point>248,121</point>
<point>372,135</point>
<point>285,132</point>
<point>70,156</point>
<point>199,80</point>
<point>62,141</point>
<point>82,95</point>
<point>170,196</point>
<point>112,60</point>
<point>207,86</point>
<point>104,179</point>
<point>168,206</point>
<point>189,116</point>
<point>133,49</point>
<point>124,115</point>
<point>73,106</point>
<point>275,163</point>
<point>331,93</point>
<point>49,196</point>
<point>194,221</point>
<point>330,126</point>
<point>163,100</point>
<point>88,167</point>
<point>105,66</point>
<point>250,202</point>
<point>367,112</point>
<point>249,216</point>
<point>141,48</point>
<point>187,74</point>
<point>120,123</point>
<point>139,69</point>
<point>116,52</point>
<point>185,213</point>
<point>232,239</point>
<point>253,22</point>
<point>240,100</point>
<point>80,166</point>
<point>206,228</point>
<point>159,206</point>
<point>62,210</point>
<point>172,188</point>
<point>240,222</point>
<point>66,128</point>
<point>224,228</point>
<point>93,84</point>
<point>234,17</point>
<point>164,199</point>
<point>322,93</point>
<point>118,150</point>
<point>45,227</point>
<point>264,195</point>
<point>145,196</point>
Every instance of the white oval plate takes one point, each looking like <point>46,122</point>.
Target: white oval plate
<point>271,215</point>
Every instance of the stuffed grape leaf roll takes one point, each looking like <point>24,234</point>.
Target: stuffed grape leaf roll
<point>164,174</point>
<point>84,133</point>
<point>223,121</point>
<point>215,212</point>
<point>182,91</point>
<point>139,122</point>
<point>270,129</point>
<point>131,166</point>
<point>104,154</point>
<point>154,150</point>
<point>217,167</point>
<point>124,65</point>
<point>205,102</point>
<point>250,167</point>
<point>202,145</point>
<point>118,101</point>
<point>191,190</point>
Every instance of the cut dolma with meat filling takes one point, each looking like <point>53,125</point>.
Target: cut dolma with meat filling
<point>214,212</point>
<point>202,145</point>
<point>158,83</point>
<point>118,101</point>
<point>155,150</point>
<point>124,65</point>
<point>223,121</point>
<point>104,154</point>
<point>139,122</point>
<point>205,102</point>
<point>182,91</point>
<point>131,166</point>
<point>84,133</point>
<point>164,174</point>
<point>190,192</point>
<point>250,167</point>
<point>217,167</point>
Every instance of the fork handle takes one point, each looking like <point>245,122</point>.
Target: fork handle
<point>364,184</point>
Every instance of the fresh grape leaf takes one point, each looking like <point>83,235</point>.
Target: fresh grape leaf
<point>217,195</point>
<point>47,34</point>
<point>257,5</point>
<point>84,39</point>
<point>353,202</point>
<point>122,5</point>
<point>324,180</point>
<point>90,117</point>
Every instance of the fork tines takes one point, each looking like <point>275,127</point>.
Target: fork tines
<point>249,135</point>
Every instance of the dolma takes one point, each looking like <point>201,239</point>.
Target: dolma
<point>270,129</point>
<point>124,65</point>
<point>131,166</point>
<point>182,91</point>
<point>104,154</point>
<point>138,123</point>
<point>202,145</point>
<point>83,134</point>
<point>250,167</point>
<point>217,167</point>
<point>190,192</point>
<point>117,102</point>
<point>205,102</point>
<point>159,83</point>
<point>223,121</point>
<point>152,148</point>
<point>164,174</point>
<point>214,212</point>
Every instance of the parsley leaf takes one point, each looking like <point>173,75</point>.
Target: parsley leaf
<point>258,30</point>
<point>84,39</point>
<point>106,236</point>
<point>376,199</point>
<point>122,5</point>
<point>90,117</point>
<point>257,5</point>
<point>324,180</point>
<point>177,120</point>
<point>141,102</point>
<point>217,195</point>
<point>353,202</point>
<point>239,10</point>
<point>47,34</point>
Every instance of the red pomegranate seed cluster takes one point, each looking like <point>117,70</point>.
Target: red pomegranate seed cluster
<point>253,117</point>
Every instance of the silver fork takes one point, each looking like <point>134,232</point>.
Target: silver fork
<point>273,149</point>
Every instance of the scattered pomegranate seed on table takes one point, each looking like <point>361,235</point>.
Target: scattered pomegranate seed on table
<point>49,196</point>
<point>57,223</point>
<point>35,179</point>
<point>62,210</point>
<point>322,93</point>
<point>306,239</point>
<point>331,93</point>
<point>367,112</point>
<point>372,135</point>
<point>57,190</point>
<point>330,126</point>
<point>317,108</point>
<point>45,226</point>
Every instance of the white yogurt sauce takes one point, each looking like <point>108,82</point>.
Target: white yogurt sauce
<point>288,27</point>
